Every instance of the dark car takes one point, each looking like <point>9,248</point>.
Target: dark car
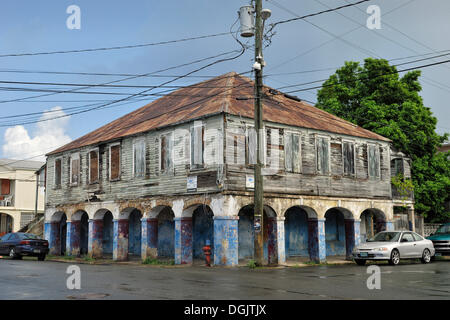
<point>20,244</point>
<point>441,240</point>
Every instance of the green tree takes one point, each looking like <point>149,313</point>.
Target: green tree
<point>376,98</point>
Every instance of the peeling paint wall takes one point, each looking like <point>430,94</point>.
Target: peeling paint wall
<point>296,233</point>
<point>334,233</point>
<point>134,233</point>
<point>203,229</point>
<point>107,240</point>
<point>166,234</point>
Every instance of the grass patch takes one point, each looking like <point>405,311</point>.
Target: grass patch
<point>156,262</point>
<point>252,264</point>
<point>88,258</point>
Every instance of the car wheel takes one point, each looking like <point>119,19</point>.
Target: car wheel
<point>426,256</point>
<point>360,262</point>
<point>41,257</point>
<point>395,257</point>
<point>13,255</point>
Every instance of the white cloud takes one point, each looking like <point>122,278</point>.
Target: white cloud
<point>49,135</point>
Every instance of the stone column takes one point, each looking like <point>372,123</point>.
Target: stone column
<point>149,247</point>
<point>183,240</point>
<point>95,240</point>
<point>73,238</point>
<point>120,240</point>
<point>272,246</point>
<point>53,234</point>
<point>226,240</point>
<point>281,242</point>
<point>316,240</point>
<point>352,236</point>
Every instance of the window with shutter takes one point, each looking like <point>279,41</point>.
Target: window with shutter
<point>374,161</point>
<point>114,162</point>
<point>292,152</point>
<point>166,150</point>
<point>197,145</point>
<point>58,171</point>
<point>74,169</point>
<point>139,158</point>
<point>322,155</point>
<point>251,146</point>
<point>6,187</point>
<point>348,155</point>
<point>93,166</point>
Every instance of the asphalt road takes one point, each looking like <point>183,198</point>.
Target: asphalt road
<point>30,279</point>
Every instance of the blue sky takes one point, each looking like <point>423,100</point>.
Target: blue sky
<point>39,26</point>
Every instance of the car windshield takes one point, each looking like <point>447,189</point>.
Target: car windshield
<point>385,237</point>
<point>444,229</point>
<point>30,236</point>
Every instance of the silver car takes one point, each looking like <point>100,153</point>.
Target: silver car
<point>393,246</point>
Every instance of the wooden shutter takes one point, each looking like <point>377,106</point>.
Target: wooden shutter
<point>58,172</point>
<point>139,158</point>
<point>288,152</point>
<point>75,161</point>
<point>197,145</point>
<point>296,160</point>
<point>251,146</point>
<point>115,162</point>
<point>6,187</point>
<point>349,158</point>
<point>163,153</point>
<point>93,166</point>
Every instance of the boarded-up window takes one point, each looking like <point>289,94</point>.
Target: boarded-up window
<point>74,168</point>
<point>398,166</point>
<point>6,187</point>
<point>93,166</point>
<point>251,146</point>
<point>197,145</point>
<point>323,165</point>
<point>166,148</point>
<point>58,171</point>
<point>139,158</point>
<point>374,161</point>
<point>348,154</point>
<point>114,162</point>
<point>292,152</point>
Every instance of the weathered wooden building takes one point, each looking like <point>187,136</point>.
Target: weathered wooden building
<point>165,178</point>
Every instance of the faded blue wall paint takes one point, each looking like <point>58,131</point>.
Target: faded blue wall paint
<point>296,230</point>
<point>317,242</point>
<point>166,235</point>
<point>335,233</point>
<point>281,241</point>
<point>352,236</point>
<point>84,234</point>
<point>73,238</point>
<point>134,233</point>
<point>203,229</point>
<point>120,242</point>
<point>226,241</point>
<point>246,234</point>
<point>183,240</point>
<point>108,233</point>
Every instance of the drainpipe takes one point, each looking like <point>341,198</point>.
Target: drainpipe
<point>37,193</point>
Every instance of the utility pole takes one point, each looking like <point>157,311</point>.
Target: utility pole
<point>259,127</point>
<point>248,29</point>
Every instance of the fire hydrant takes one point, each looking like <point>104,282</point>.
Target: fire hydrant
<point>207,252</point>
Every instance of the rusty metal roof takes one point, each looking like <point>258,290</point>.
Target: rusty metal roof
<point>224,94</point>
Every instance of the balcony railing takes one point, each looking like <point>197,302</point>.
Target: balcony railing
<point>401,195</point>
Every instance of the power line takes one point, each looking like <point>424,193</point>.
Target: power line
<point>144,91</point>
<point>114,48</point>
<point>125,79</point>
<point>395,72</point>
<point>273,25</point>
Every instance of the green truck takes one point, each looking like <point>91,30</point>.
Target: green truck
<point>441,240</point>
